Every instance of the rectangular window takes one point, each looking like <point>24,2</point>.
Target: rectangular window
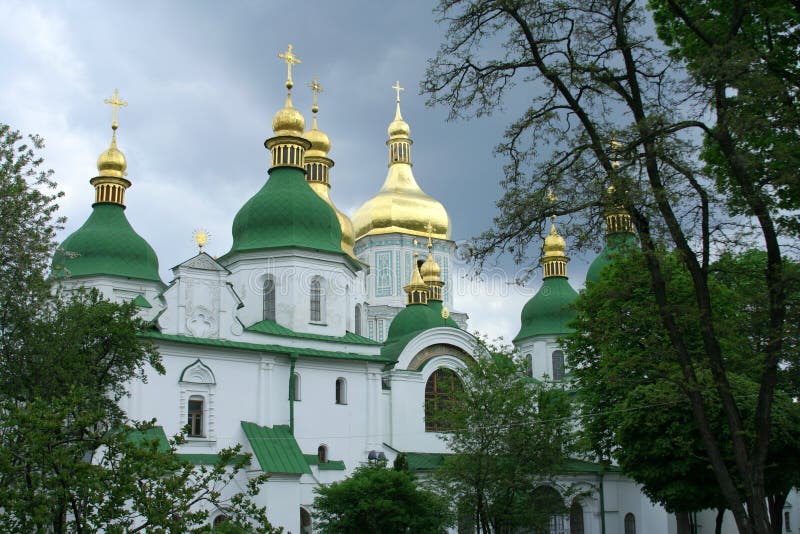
<point>195,417</point>
<point>786,521</point>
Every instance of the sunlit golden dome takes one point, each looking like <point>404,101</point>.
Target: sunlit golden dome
<point>320,143</point>
<point>288,121</point>
<point>430,269</point>
<point>400,205</point>
<point>112,161</point>
<point>554,244</point>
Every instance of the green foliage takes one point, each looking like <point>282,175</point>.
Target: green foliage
<point>379,500</point>
<point>509,436</point>
<point>70,458</point>
<point>632,392</point>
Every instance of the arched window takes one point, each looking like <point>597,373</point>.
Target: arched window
<point>547,497</point>
<point>558,365</point>
<point>357,327</point>
<point>441,392</point>
<point>195,411</point>
<point>576,518</point>
<point>322,454</point>
<point>341,391</point>
<point>296,387</point>
<point>316,300</point>
<point>529,364</point>
<point>269,298</point>
<point>630,523</point>
<point>220,519</point>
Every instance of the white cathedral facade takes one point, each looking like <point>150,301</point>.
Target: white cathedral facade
<point>315,341</point>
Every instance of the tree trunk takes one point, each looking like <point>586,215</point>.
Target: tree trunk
<point>718,523</point>
<point>776,503</point>
<point>684,525</point>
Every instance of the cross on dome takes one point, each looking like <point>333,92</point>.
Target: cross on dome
<point>115,104</point>
<point>290,60</point>
<point>316,88</point>
<point>397,88</point>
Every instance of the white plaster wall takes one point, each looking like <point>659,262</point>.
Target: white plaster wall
<point>293,271</point>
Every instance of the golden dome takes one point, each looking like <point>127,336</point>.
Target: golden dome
<point>320,143</point>
<point>288,121</point>
<point>430,270</point>
<point>348,235</point>
<point>401,206</point>
<point>112,161</point>
<point>554,244</point>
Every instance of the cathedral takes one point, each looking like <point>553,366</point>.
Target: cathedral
<point>318,342</point>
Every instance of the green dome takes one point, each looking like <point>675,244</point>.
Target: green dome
<point>549,311</point>
<point>413,318</point>
<point>106,244</point>
<point>286,212</point>
<point>437,307</point>
<point>614,244</point>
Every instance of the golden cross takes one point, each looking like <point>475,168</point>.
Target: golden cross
<point>397,88</point>
<point>615,146</point>
<point>551,198</point>
<point>290,60</point>
<point>115,104</point>
<point>317,89</point>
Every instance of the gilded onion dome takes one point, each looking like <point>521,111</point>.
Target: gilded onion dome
<point>106,244</point>
<point>318,166</point>
<point>401,205</point>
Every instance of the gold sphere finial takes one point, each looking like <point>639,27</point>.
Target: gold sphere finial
<point>201,237</point>
<point>615,148</point>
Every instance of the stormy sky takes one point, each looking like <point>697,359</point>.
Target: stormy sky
<point>203,80</point>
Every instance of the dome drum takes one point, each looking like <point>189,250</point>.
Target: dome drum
<point>287,150</point>
<point>108,189</point>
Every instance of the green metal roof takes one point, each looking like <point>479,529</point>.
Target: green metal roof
<point>141,302</point>
<point>106,244</point>
<point>286,212</point>
<point>330,465</point>
<point>223,343</point>
<point>275,449</point>
<point>140,437</point>
<point>207,459</point>
<point>549,311</point>
<point>574,465</point>
<point>424,461</point>
<point>273,328</point>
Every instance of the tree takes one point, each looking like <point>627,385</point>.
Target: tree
<point>635,409</point>
<point>510,437</point>
<point>612,107</point>
<point>70,458</point>
<point>380,500</point>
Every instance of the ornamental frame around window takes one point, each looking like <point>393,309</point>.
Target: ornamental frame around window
<point>197,380</point>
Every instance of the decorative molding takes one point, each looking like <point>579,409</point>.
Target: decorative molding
<point>203,262</point>
<point>198,373</point>
<point>439,349</point>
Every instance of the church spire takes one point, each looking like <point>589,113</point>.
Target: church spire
<point>416,289</point>
<point>554,259</point>
<point>288,144</point>
<point>399,131</point>
<point>431,271</point>
<point>110,184</point>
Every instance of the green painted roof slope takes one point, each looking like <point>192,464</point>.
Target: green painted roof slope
<point>258,347</point>
<point>286,212</point>
<point>615,243</point>
<point>275,449</point>
<point>549,311</point>
<point>106,244</point>
<point>273,328</point>
<point>413,318</point>
<point>207,459</point>
<point>330,465</point>
<point>424,461</point>
<point>156,434</point>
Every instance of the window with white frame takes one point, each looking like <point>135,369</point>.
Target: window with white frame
<point>357,326</point>
<point>197,398</point>
<point>316,300</point>
<point>630,523</point>
<point>341,391</point>
<point>296,386</point>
